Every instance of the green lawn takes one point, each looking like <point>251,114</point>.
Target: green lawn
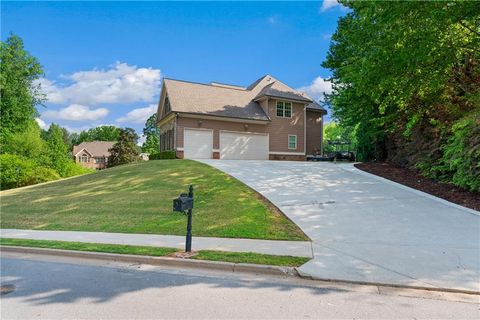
<point>235,257</point>
<point>137,198</point>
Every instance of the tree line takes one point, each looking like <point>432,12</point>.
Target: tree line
<point>406,80</point>
<point>29,154</point>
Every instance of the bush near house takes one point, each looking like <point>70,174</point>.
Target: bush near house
<point>162,155</point>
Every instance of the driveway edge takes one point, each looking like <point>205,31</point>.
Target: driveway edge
<point>349,167</point>
<point>160,261</point>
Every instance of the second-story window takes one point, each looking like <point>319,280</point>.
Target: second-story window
<point>284,109</point>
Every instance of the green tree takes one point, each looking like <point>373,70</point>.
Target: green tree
<point>28,144</point>
<point>404,74</point>
<point>18,91</point>
<point>125,150</point>
<point>152,135</point>
<point>333,131</point>
<point>101,133</point>
<point>57,149</point>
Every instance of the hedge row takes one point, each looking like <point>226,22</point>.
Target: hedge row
<point>163,155</point>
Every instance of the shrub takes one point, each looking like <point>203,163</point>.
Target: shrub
<point>460,160</point>
<point>163,155</point>
<point>43,174</point>
<point>73,169</point>
<point>18,171</point>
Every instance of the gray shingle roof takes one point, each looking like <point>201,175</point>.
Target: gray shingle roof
<point>316,107</point>
<point>278,89</point>
<point>95,148</point>
<point>206,99</point>
<point>228,101</point>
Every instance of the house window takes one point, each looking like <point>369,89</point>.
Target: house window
<point>84,158</point>
<point>292,142</point>
<point>284,109</point>
<point>167,140</point>
<point>167,105</point>
<point>100,160</point>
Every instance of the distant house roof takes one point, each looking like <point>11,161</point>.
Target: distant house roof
<point>228,100</point>
<point>94,148</point>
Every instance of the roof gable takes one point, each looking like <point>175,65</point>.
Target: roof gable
<point>279,89</point>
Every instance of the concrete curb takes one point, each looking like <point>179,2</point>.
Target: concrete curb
<point>349,167</point>
<point>161,261</point>
<point>387,285</point>
<point>218,265</point>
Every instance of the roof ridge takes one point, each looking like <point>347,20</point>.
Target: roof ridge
<point>206,84</point>
<point>256,82</point>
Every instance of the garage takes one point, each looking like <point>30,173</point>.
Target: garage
<point>197,143</point>
<point>243,146</point>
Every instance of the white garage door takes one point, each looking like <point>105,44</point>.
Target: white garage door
<point>197,144</point>
<point>243,146</point>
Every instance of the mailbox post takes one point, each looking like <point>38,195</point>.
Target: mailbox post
<point>182,204</point>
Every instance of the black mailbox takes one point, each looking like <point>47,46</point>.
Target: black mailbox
<point>182,203</point>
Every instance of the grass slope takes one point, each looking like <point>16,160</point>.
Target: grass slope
<point>137,198</point>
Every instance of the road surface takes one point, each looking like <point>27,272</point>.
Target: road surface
<point>65,288</point>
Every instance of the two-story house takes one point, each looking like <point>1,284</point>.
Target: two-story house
<point>266,120</point>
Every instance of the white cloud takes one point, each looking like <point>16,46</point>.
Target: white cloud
<point>121,83</point>
<point>329,4</point>
<point>139,115</point>
<point>317,88</point>
<point>76,112</point>
<point>77,129</point>
<point>42,124</point>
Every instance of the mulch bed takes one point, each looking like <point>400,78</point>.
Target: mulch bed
<point>414,180</point>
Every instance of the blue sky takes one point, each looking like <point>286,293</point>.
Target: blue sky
<point>104,61</point>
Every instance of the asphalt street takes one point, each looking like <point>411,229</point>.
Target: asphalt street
<point>64,288</point>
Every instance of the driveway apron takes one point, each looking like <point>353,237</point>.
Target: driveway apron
<point>366,229</point>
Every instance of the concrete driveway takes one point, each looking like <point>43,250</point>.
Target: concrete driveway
<point>368,229</point>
